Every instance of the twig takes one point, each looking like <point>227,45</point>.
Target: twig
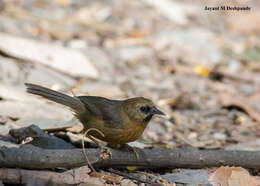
<point>133,177</point>
<point>83,146</point>
<point>113,179</point>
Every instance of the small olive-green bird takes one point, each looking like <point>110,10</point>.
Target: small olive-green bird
<point>120,121</point>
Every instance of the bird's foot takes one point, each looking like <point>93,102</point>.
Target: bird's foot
<point>105,152</point>
<point>133,149</point>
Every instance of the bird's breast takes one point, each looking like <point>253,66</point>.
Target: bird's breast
<point>124,132</point>
<point>116,135</point>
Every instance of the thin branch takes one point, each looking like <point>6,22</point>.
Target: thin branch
<point>37,158</point>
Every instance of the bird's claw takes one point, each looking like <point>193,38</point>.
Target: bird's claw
<point>105,152</point>
<point>133,149</point>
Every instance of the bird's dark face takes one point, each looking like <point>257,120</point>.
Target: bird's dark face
<point>142,109</point>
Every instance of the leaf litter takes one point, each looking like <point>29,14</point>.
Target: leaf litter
<point>207,83</point>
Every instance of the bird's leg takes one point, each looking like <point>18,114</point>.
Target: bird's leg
<point>128,147</point>
<point>134,149</point>
<point>106,152</point>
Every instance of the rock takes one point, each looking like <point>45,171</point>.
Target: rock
<point>40,138</point>
<point>20,109</point>
<point>196,42</point>
<point>9,71</point>
<point>3,130</point>
<point>101,89</point>
<point>127,182</point>
<point>47,124</point>
<point>48,77</point>
<point>187,176</point>
<point>8,144</point>
<point>134,53</point>
<point>103,62</point>
<point>14,93</point>
<point>173,10</point>
<point>64,59</point>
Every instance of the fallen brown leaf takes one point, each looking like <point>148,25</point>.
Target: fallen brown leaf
<point>233,176</point>
<point>247,104</point>
<point>70,177</point>
<point>108,178</point>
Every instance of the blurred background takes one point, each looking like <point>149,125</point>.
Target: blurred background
<point>200,67</point>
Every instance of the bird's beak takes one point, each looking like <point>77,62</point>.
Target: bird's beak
<point>155,110</point>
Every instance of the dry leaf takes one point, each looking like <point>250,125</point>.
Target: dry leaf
<point>132,168</point>
<point>202,70</point>
<point>63,2</point>
<point>233,176</point>
<point>247,104</point>
<point>113,179</point>
<point>138,33</point>
<point>127,182</point>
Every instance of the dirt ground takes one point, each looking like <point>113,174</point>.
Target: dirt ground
<point>201,67</point>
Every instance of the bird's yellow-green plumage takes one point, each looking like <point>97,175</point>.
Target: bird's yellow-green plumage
<point>121,121</point>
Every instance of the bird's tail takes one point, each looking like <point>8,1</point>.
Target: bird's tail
<point>72,102</point>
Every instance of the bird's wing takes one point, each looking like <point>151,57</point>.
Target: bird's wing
<point>105,109</point>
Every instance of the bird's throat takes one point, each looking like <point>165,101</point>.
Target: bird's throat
<point>148,118</point>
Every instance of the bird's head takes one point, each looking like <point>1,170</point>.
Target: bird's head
<point>141,109</point>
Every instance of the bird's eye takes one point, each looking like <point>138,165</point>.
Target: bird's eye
<point>145,109</point>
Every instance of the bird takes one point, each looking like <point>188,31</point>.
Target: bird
<point>120,121</point>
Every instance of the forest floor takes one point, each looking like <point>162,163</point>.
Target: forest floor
<point>200,67</point>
